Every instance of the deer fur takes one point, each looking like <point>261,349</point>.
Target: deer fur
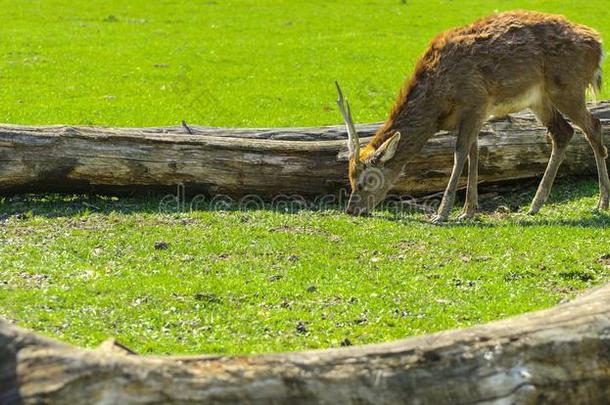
<point>500,64</point>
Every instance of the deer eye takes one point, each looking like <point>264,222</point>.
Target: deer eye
<point>371,179</point>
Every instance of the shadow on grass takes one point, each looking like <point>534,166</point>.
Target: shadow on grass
<point>597,219</point>
<point>59,205</point>
<point>502,204</point>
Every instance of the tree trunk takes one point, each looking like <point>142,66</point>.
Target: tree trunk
<point>305,161</point>
<point>560,355</point>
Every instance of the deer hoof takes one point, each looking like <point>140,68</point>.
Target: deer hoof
<point>465,216</point>
<point>438,219</point>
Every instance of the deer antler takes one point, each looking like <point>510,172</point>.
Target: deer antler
<point>353,143</point>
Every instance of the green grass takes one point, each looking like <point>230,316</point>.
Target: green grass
<point>83,268</point>
<point>225,63</point>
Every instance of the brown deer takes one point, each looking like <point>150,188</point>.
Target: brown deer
<point>500,64</point>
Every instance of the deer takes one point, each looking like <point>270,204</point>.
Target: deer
<point>500,64</point>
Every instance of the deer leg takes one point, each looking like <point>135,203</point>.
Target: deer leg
<point>472,194</point>
<point>576,110</point>
<point>467,136</point>
<point>594,136</point>
<point>560,133</point>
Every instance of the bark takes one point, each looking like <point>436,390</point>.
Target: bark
<point>560,355</point>
<point>267,162</point>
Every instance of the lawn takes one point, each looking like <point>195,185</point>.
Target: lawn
<point>224,63</point>
<point>84,268</point>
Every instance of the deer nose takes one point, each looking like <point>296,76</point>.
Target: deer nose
<point>351,210</point>
<point>351,206</point>
<point>354,209</point>
<point>357,212</point>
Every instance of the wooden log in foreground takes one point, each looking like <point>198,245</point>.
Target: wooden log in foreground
<point>560,355</point>
<point>267,162</point>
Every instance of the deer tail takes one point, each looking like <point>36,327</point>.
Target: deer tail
<point>596,81</point>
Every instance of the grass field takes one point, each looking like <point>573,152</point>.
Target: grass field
<point>225,63</point>
<point>84,268</point>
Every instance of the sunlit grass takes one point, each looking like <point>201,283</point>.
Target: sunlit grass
<point>226,63</point>
<point>86,268</point>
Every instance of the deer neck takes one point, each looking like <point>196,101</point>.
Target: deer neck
<point>416,120</point>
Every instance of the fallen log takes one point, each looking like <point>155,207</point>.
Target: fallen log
<point>304,161</point>
<point>560,355</point>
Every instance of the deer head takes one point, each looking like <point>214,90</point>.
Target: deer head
<point>371,173</point>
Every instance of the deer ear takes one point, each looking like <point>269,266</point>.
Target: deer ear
<point>387,149</point>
